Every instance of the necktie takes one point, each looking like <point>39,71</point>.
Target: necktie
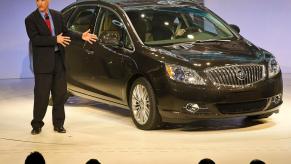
<point>48,22</point>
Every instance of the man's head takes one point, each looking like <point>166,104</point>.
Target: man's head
<point>93,161</point>
<point>34,157</point>
<point>42,5</point>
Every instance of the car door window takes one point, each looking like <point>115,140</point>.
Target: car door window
<point>106,25</point>
<point>84,19</point>
<point>67,14</point>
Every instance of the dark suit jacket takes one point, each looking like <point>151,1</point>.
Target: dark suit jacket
<point>43,43</point>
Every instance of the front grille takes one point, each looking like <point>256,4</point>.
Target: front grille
<point>241,108</point>
<point>236,75</point>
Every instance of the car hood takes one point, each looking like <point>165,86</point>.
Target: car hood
<point>216,53</point>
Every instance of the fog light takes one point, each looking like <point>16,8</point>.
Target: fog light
<point>277,99</point>
<point>193,108</point>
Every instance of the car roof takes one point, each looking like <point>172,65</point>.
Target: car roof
<point>125,4</point>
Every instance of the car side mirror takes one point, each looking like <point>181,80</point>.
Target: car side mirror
<point>118,24</point>
<point>235,28</point>
<point>110,38</point>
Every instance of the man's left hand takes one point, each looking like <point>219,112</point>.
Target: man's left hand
<point>86,36</point>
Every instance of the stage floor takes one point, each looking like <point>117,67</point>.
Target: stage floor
<point>107,133</point>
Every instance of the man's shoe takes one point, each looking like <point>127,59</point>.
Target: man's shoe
<point>60,129</point>
<point>35,131</point>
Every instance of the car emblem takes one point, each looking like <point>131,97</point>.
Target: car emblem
<point>240,74</point>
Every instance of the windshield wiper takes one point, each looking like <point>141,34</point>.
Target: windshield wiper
<point>212,40</point>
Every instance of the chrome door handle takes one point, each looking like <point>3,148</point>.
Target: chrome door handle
<point>89,52</point>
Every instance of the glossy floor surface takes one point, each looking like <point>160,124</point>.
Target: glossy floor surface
<point>107,133</point>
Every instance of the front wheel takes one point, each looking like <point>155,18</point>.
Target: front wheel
<point>143,105</point>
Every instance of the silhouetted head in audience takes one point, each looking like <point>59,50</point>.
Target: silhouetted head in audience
<point>93,161</point>
<point>256,161</point>
<point>34,158</point>
<point>206,161</point>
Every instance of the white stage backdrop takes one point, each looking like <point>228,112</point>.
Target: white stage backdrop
<point>264,22</point>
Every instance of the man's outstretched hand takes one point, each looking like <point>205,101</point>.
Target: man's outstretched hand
<point>63,40</point>
<point>86,36</point>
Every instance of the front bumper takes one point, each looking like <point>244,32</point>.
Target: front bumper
<point>211,102</point>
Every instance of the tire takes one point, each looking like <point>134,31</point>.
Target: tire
<point>51,103</point>
<point>257,117</point>
<point>143,106</point>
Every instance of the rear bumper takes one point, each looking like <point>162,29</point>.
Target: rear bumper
<point>212,102</point>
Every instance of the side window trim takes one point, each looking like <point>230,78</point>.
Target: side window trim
<point>97,18</point>
<point>71,15</point>
<point>101,21</point>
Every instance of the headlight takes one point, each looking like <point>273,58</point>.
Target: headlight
<point>183,74</point>
<point>273,67</point>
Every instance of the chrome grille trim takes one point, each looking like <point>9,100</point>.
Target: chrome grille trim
<point>236,75</point>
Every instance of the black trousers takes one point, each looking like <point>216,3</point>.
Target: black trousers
<point>56,84</point>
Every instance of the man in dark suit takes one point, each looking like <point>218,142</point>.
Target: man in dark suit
<point>49,35</point>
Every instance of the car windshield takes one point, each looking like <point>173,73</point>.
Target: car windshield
<point>171,25</point>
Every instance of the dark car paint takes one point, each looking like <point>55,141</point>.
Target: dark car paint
<point>109,74</point>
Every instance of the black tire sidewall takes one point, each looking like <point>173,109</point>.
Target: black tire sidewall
<point>154,119</point>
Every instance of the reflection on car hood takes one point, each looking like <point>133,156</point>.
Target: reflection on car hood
<point>213,51</point>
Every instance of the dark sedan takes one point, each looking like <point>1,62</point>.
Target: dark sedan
<point>169,61</point>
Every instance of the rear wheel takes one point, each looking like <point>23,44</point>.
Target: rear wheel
<point>143,105</point>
